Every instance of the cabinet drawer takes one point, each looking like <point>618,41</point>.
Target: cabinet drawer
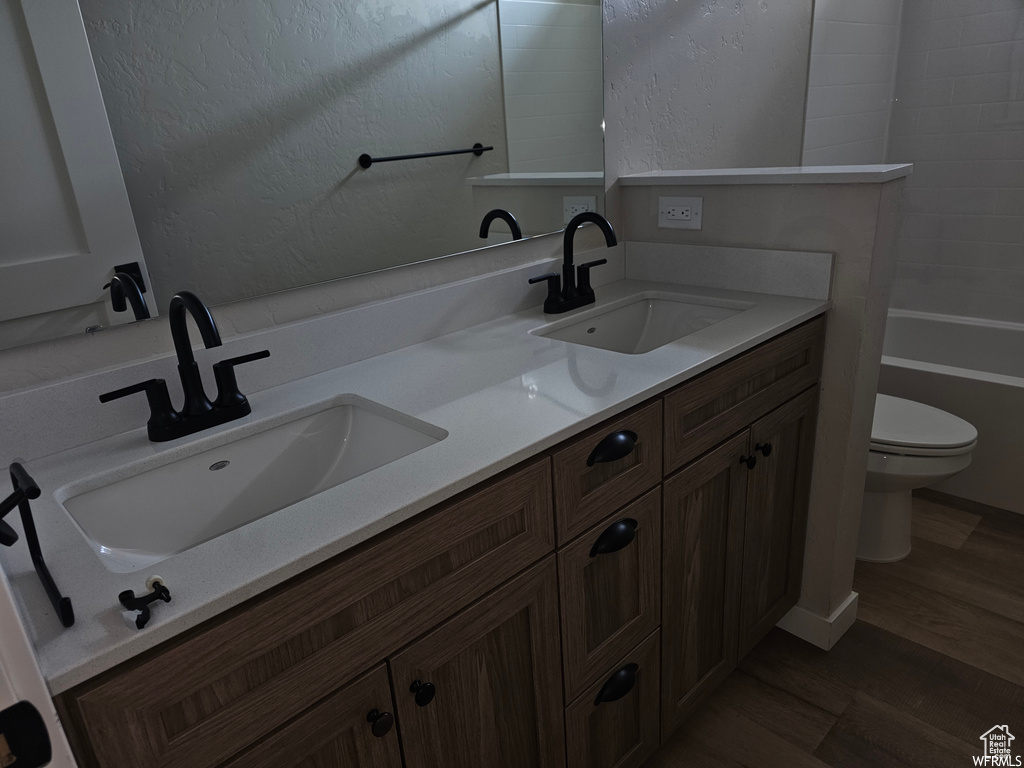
<point>620,733</point>
<point>610,599</point>
<point>337,731</point>
<point>590,483</point>
<point>227,684</point>
<point>702,413</point>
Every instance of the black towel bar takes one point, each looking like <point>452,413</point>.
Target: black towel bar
<point>477,149</point>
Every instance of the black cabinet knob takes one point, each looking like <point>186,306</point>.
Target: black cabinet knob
<point>750,461</point>
<point>380,722</point>
<point>616,536</point>
<point>613,447</point>
<point>766,449</point>
<point>425,692</point>
<point>618,685</point>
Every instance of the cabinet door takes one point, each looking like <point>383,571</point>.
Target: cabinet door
<point>702,540</point>
<point>339,731</point>
<point>495,682</point>
<point>610,580</point>
<point>776,519</point>
<point>614,724</point>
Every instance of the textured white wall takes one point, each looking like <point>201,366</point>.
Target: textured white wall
<point>850,86</point>
<point>711,84</point>
<point>554,97</point>
<point>959,117</point>
<point>238,126</point>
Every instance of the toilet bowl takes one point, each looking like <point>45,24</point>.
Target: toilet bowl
<point>912,445</point>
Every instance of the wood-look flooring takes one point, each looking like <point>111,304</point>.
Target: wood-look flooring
<point>935,659</point>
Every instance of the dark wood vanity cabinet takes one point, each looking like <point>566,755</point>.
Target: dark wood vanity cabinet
<point>775,520</point>
<point>570,612</point>
<point>495,700</point>
<point>335,732</point>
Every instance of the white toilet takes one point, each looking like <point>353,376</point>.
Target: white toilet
<point>912,445</point>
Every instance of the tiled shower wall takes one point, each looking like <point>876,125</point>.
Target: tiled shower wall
<point>959,117</point>
<point>554,108</point>
<point>849,89</point>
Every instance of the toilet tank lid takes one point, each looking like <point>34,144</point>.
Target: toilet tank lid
<point>900,422</point>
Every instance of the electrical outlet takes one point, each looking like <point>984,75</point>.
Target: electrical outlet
<point>681,212</point>
<point>578,204</point>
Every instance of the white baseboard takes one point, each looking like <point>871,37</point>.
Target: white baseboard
<point>822,631</point>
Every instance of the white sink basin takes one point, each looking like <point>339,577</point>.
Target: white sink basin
<point>137,521</point>
<point>642,322</point>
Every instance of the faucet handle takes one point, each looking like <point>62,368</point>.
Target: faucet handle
<point>228,394</point>
<point>554,289</point>
<point>583,270</point>
<point>161,412</point>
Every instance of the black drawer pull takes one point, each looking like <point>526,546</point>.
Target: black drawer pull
<point>618,685</point>
<point>766,449</point>
<point>424,692</point>
<point>615,446</point>
<point>380,722</point>
<point>750,461</point>
<point>616,536</point>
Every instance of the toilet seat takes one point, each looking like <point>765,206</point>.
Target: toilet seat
<point>908,428</point>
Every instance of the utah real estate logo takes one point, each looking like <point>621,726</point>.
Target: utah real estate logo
<point>998,749</point>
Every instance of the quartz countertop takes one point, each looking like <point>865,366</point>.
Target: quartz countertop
<point>806,174</point>
<point>501,393</point>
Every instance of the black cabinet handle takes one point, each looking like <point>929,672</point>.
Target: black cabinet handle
<point>618,685</point>
<point>766,449</point>
<point>616,536</point>
<point>613,447</point>
<point>380,723</point>
<point>425,692</point>
<point>750,461</point>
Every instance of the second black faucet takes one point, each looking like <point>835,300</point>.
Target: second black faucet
<point>572,289</point>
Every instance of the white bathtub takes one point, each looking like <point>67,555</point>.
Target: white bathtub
<point>974,369</point>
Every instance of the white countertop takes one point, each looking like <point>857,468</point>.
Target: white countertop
<point>539,179</point>
<point>806,174</point>
<point>501,393</point>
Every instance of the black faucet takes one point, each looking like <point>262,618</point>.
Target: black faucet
<point>123,286</point>
<point>565,292</point>
<point>196,402</point>
<point>501,213</point>
<point>197,412</point>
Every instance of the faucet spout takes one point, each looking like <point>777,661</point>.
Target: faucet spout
<point>196,401</point>
<point>587,217</point>
<point>187,301</point>
<point>122,287</point>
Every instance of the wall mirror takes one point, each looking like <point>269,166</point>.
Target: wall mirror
<point>238,127</point>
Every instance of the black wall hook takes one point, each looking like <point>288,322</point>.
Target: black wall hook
<point>141,604</point>
<point>25,488</point>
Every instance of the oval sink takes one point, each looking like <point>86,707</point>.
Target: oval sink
<point>643,322</point>
<point>137,521</point>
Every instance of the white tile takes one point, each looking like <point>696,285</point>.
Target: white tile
<point>848,69</point>
<point>992,27</point>
<point>956,118</point>
<point>845,129</point>
<point>831,100</point>
<point>932,35</point>
<point>987,89</point>
<point>954,62</point>
<point>849,37</point>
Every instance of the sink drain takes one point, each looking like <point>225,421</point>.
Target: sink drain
<point>591,330</point>
<point>218,465</point>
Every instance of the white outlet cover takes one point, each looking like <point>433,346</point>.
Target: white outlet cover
<point>669,216</point>
<point>575,204</point>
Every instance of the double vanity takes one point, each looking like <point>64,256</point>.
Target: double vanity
<point>538,540</point>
